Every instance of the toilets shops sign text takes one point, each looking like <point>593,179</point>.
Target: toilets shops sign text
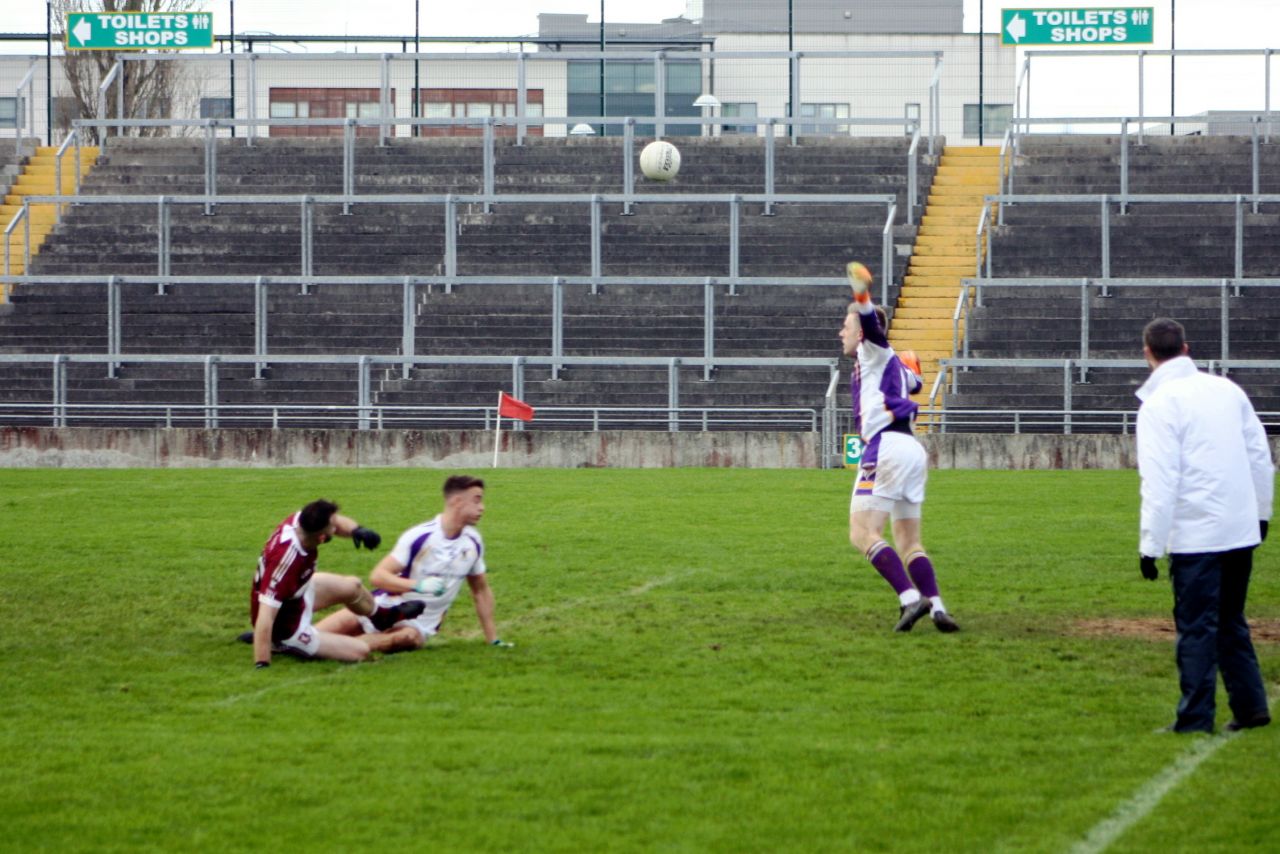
<point>139,30</point>
<point>1122,25</point>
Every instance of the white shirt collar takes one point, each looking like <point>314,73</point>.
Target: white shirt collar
<point>1173,369</point>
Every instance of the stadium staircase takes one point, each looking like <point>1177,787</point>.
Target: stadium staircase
<point>660,239</point>
<point>36,177</point>
<point>1151,240</point>
<point>944,253</point>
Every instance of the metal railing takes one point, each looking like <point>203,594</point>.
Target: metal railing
<point>1011,147</point>
<point>1077,54</point>
<point>365,409</point>
<point>408,303</point>
<point>387,416</point>
<point>489,126</point>
<point>450,204</point>
<point>660,58</point>
<point>1105,202</point>
<point>23,106</point>
<point>1068,368</point>
<point>972,291</point>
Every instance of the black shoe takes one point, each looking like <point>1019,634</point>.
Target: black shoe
<point>943,621</point>
<point>385,618</point>
<point>245,637</point>
<point>1252,723</point>
<point>909,615</point>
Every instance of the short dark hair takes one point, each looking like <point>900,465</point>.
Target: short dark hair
<point>315,517</point>
<point>461,483</point>
<point>1165,338</point>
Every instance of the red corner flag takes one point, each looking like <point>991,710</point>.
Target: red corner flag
<point>509,407</point>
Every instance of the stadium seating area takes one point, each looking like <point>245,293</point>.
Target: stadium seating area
<point>1152,241</point>
<point>673,239</point>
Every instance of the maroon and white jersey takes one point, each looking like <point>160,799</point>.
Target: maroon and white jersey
<point>284,573</point>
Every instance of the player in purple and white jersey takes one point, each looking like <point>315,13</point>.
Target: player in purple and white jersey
<point>287,590</point>
<point>428,565</point>
<point>891,476</point>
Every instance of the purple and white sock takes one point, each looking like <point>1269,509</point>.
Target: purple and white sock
<point>889,565</point>
<point>921,569</point>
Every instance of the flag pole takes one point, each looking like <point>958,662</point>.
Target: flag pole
<point>497,432</point>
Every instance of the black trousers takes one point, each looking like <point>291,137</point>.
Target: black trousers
<point>1209,591</point>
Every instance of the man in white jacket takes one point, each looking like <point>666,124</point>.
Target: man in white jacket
<point>1207,484</point>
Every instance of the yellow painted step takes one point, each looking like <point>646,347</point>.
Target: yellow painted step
<point>935,230</point>
<point>962,180</point>
<point>956,238</point>
<point>935,285</point>
<point>935,255</point>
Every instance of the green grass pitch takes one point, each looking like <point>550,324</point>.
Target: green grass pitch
<point>702,663</point>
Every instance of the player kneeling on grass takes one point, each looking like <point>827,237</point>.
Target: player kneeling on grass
<point>891,476</point>
<point>427,567</point>
<point>287,590</point>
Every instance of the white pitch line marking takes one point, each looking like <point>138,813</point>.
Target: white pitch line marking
<point>638,590</point>
<point>1152,792</point>
<point>276,686</point>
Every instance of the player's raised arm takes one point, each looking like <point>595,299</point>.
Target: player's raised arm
<point>873,327</point>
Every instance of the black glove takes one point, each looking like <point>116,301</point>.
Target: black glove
<point>1149,569</point>
<point>1262,529</point>
<point>366,537</point>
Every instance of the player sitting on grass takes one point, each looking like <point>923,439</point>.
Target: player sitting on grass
<point>891,476</point>
<point>426,568</point>
<point>287,590</point>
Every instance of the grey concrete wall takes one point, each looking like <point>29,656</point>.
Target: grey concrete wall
<point>73,447</point>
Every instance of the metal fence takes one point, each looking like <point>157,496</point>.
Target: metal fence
<point>1105,203</point>
<point>367,414</point>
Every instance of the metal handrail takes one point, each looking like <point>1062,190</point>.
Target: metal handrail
<point>19,124</point>
<point>22,216</point>
<point>1106,200</point>
<point>451,203</point>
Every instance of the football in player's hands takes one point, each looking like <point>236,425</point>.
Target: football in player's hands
<point>860,278</point>
<point>431,585</point>
<point>366,537</point>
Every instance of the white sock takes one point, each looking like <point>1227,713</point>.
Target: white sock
<point>937,604</point>
<point>909,597</point>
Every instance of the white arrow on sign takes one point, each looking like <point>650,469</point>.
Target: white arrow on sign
<point>1017,28</point>
<point>83,30</point>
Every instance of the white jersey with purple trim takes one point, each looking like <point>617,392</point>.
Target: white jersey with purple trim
<point>880,384</point>
<point>426,552</point>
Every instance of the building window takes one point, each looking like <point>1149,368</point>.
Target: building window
<point>477,104</point>
<point>824,111</point>
<point>995,118</point>
<point>215,108</point>
<point>741,110</point>
<point>630,90</point>
<point>9,110</point>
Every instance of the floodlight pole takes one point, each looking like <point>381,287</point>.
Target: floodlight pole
<point>417,91</point>
<point>48,72</point>
<point>1173,42</point>
<point>982,32</point>
<point>233,65</point>
<point>602,123</point>
<point>791,47</point>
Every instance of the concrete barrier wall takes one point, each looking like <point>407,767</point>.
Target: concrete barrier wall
<point>468,449</point>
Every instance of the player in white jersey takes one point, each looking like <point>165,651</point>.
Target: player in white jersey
<point>429,563</point>
<point>894,467</point>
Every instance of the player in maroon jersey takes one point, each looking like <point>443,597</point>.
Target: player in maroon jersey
<point>287,590</point>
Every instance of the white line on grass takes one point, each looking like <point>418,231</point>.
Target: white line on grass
<point>638,590</point>
<point>275,686</point>
<point>1151,793</point>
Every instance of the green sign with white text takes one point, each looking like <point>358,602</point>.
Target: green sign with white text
<point>139,30</point>
<point>853,448</point>
<point>1064,27</point>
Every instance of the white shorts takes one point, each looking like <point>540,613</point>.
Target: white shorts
<point>305,640</point>
<point>427,625</point>
<point>894,482</point>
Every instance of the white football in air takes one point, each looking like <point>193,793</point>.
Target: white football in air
<point>660,161</point>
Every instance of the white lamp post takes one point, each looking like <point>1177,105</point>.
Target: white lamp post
<point>708,100</point>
